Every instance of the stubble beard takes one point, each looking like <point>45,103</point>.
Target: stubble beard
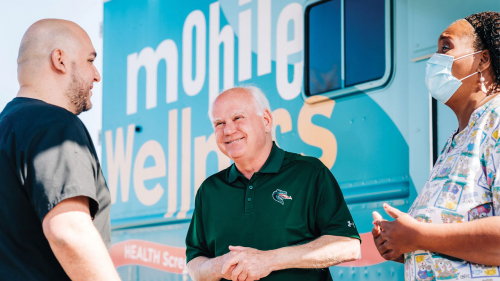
<point>77,93</point>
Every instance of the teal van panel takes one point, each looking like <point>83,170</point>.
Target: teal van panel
<point>150,164</point>
<point>157,138</point>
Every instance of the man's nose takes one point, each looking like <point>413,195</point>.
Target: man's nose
<point>97,76</point>
<point>229,128</point>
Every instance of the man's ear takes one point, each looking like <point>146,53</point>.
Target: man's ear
<point>59,61</point>
<point>485,62</point>
<point>268,120</point>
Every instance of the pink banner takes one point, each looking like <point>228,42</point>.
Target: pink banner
<point>145,253</point>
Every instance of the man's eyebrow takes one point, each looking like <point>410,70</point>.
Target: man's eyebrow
<point>232,115</point>
<point>94,54</point>
<point>238,113</point>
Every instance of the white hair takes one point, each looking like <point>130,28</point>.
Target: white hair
<point>259,99</point>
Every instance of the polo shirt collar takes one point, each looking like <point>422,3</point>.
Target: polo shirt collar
<point>272,165</point>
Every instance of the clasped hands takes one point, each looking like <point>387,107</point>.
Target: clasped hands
<point>395,238</point>
<point>246,264</point>
<point>392,238</point>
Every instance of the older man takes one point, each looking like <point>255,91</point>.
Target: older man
<point>272,215</point>
<point>54,202</point>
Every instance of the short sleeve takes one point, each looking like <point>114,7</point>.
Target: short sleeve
<point>332,215</point>
<point>196,244</point>
<point>59,165</point>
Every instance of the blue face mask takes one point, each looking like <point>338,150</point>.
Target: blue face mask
<point>438,78</point>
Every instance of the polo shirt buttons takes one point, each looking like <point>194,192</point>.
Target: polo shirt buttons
<point>249,195</point>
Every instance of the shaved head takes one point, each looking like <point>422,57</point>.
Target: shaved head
<point>55,64</point>
<point>46,35</point>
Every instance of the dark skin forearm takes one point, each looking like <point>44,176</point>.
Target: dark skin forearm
<point>475,241</point>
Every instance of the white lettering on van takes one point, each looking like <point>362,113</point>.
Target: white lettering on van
<point>148,58</point>
<point>195,19</point>
<point>218,37</point>
<point>146,196</point>
<point>119,162</point>
<point>284,48</point>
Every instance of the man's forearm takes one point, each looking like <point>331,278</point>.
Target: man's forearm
<point>323,252</point>
<point>76,243</point>
<point>81,251</point>
<point>475,241</point>
<point>204,269</point>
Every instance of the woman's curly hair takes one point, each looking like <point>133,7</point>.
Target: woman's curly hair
<point>487,27</point>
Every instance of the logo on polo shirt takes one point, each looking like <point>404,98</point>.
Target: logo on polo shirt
<point>280,196</point>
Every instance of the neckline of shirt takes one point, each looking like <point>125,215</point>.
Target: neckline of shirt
<point>477,113</point>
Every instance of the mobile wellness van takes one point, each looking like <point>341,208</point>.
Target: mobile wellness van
<point>345,80</point>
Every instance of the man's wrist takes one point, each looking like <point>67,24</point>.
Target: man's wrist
<point>215,267</point>
<point>274,260</point>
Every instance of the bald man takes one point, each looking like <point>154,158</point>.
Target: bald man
<point>54,202</point>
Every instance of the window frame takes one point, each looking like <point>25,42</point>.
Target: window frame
<point>361,87</point>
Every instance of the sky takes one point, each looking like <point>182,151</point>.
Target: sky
<point>15,18</point>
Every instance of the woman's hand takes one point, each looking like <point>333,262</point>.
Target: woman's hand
<point>393,239</point>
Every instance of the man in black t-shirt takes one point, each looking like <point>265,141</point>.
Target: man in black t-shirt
<point>54,202</point>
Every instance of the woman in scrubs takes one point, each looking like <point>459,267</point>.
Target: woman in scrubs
<point>452,230</point>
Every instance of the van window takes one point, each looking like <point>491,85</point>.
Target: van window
<point>347,46</point>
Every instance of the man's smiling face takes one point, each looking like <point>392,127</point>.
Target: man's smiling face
<point>239,130</point>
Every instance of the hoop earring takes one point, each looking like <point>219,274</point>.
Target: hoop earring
<point>483,87</point>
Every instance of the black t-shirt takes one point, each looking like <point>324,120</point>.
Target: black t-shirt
<point>46,156</point>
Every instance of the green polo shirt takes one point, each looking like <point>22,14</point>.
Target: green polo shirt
<point>292,200</point>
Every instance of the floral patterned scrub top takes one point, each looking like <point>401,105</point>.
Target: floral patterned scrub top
<point>462,187</point>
